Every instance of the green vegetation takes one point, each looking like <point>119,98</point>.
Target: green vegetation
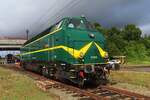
<point>128,42</point>
<point>15,86</point>
<point>129,77</point>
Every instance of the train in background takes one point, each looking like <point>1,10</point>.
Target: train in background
<point>71,49</point>
<point>9,59</point>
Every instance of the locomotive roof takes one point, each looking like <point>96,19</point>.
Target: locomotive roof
<point>48,30</point>
<point>39,35</point>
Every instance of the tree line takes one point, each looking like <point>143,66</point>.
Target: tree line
<point>127,41</point>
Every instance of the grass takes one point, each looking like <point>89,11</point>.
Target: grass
<point>130,77</point>
<point>133,61</point>
<point>15,86</point>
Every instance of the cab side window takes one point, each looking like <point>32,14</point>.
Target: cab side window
<point>56,26</point>
<point>76,23</point>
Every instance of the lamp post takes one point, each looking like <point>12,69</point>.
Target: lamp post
<point>27,32</point>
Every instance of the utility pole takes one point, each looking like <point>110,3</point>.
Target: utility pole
<point>27,32</point>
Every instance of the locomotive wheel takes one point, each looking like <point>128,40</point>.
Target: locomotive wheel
<point>97,81</point>
<point>81,83</point>
<point>106,74</point>
<point>56,77</point>
<point>44,71</point>
<point>40,70</point>
<point>51,73</point>
<point>23,66</point>
<point>105,79</point>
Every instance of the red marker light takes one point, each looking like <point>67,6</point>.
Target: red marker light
<point>81,74</point>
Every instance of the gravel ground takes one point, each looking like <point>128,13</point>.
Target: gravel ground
<point>63,94</point>
<point>133,79</point>
<point>133,88</point>
<point>137,69</point>
<point>57,93</point>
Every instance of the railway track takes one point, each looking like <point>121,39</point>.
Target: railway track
<point>99,93</point>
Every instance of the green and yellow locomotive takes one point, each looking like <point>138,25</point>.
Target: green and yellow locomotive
<point>71,49</point>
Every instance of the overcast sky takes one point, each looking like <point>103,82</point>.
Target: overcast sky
<point>18,15</point>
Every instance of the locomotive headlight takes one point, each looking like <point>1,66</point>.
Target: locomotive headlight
<point>91,35</point>
<point>81,54</point>
<point>106,55</point>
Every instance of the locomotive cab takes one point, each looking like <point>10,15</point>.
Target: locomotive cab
<point>88,61</point>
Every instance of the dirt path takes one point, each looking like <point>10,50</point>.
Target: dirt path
<point>136,69</point>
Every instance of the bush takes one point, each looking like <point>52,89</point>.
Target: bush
<point>127,41</point>
<point>136,50</point>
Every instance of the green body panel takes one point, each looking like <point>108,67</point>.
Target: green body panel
<point>73,38</point>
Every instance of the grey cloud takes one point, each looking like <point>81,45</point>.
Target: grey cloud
<point>18,15</point>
